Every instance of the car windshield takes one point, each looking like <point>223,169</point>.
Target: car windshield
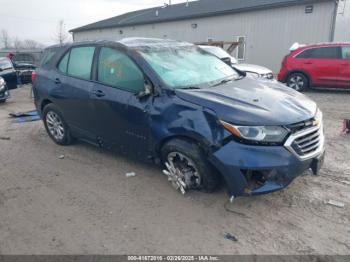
<point>5,64</point>
<point>187,67</point>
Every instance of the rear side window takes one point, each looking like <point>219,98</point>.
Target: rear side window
<point>118,70</point>
<point>330,52</point>
<point>346,52</point>
<point>80,62</point>
<point>48,55</point>
<point>63,65</point>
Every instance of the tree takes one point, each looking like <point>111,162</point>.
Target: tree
<point>61,34</point>
<point>31,44</point>
<point>5,38</point>
<point>17,43</point>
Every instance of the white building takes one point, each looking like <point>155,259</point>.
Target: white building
<point>267,28</point>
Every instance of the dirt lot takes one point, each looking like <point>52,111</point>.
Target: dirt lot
<point>84,204</point>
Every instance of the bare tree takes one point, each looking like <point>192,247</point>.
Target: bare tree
<point>31,44</point>
<point>17,43</point>
<point>61,34</point>
<point>5,38</point>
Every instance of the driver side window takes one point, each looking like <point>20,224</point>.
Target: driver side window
<point>116,69</point>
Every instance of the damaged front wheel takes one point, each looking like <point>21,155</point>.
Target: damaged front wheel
<point>187,167</point>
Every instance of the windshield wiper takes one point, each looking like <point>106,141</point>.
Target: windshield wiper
<point>190,88</point>
<point>224,81</point>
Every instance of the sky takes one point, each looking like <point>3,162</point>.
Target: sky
<point>38,19</point>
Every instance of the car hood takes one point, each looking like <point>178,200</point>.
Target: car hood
<point>253,102</point>
<point>253,68</point>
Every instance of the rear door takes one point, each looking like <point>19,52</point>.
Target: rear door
<point>322,64</point>
<point>121,118</point>
<point>344,71</point>
<point>73,87</point>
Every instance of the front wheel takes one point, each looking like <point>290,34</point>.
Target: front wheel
<point>187,166</point>
<point>298,82</point>
<point>55,125</point>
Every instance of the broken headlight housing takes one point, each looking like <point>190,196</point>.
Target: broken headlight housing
<point>257,134</point>
<point>2,84</point>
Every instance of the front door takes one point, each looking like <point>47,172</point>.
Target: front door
<point>323,65</point>
<point>121,118</point>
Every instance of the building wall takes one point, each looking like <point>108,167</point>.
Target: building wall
<point>269,33</point>
<point>342,31</point>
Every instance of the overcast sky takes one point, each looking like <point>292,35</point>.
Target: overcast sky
<point>37,19</point>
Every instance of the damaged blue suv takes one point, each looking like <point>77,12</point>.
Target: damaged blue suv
<point>173,103</point>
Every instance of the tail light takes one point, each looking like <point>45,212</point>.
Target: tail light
<point>33,76</point>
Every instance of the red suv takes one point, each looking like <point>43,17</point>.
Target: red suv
<point>316,65</point>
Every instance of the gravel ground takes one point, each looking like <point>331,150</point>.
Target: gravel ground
<point>84,203</point>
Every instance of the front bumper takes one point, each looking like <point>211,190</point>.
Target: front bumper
<point>254,170</point>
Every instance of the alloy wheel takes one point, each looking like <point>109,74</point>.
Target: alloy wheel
<point>55,125</point>
<point>183,171</point>
<point>296,82</point>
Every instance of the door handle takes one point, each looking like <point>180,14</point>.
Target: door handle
<point>308,63</point>
<point>57,81</point>
<point>98,93</point>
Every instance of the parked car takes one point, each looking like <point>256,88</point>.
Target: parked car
<point>8,73</point>
<point>24,71</point>
<point>326,64</point>
<point>171,102</point>
<point>255,70</point>
<point>4,94</point>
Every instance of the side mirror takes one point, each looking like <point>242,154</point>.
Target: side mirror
<point>1,69</point>
<point>147,91</point>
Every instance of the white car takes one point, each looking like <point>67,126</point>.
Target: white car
<point>255,70</point>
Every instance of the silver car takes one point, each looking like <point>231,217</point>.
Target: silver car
<point>255,70</point>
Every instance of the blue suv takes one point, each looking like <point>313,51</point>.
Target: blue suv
<point>173,103</point>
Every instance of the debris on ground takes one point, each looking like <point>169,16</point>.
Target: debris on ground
<point>5,138</point>
<point>231,237</point>
<point>22,117</point>
<point>61,157</point>
<point>346,126</point>
<point>335,203</point>
<point>131,174</point>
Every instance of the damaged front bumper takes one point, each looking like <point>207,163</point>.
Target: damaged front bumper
<point>254,170</point>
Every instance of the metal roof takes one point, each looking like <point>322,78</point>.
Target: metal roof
<point>190,10</point>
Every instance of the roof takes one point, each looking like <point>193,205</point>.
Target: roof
<point>190,10</point>
<point>130,42</point>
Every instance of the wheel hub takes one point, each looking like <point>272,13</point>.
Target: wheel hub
<point>182,172</point>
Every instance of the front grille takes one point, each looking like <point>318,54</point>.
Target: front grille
<point>308,143</point>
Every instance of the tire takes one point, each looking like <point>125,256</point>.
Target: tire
<point>2,101</point>
<point>209,178</point>
<point>55,125</point>
<point>298,82</point>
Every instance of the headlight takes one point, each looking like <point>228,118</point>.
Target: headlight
<point>2,84</point>
<point>257,134</point>
<point>318,118</point>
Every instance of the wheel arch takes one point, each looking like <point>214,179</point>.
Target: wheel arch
<point>44,103</point>
<point>300,71</point>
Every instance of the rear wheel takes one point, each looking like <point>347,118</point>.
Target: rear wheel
<point>187,166</point>
<point>55,125</point>
<point>298,82</point>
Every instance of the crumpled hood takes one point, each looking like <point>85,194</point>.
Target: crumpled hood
<point>253,102</point>
<point>253,68</point>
